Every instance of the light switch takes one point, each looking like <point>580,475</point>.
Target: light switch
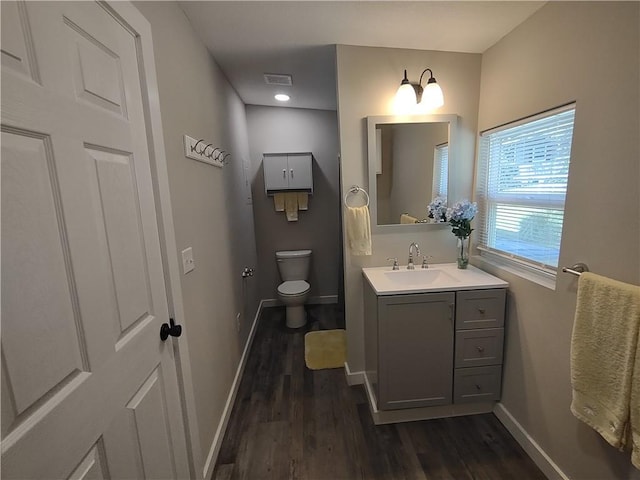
<point>187,260</point>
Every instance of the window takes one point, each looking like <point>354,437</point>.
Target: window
<point>522,181</point>
<point>440,170</point>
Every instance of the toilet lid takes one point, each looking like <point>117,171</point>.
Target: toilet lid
<point>293,287</point>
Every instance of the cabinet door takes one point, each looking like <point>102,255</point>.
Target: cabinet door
<point>276,172</point>
<point>415,350</point>
<point>300,177</point>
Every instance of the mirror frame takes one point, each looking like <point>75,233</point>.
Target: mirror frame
<point>372,121</point>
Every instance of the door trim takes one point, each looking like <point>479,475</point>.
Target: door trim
<point>129,14</point>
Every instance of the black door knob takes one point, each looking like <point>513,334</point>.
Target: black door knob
<point>170,328</point>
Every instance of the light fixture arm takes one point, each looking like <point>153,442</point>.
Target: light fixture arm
<point>419,88</point>
<point>431,79</point>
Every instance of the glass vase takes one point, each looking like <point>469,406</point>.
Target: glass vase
<point>463,252</point>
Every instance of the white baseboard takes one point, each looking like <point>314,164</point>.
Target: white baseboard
<point>353,378</point>
<point>214,450</point>
<point>529,445</point>
<point>320,299</point>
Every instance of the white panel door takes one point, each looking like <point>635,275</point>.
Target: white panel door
<point>88,388</point>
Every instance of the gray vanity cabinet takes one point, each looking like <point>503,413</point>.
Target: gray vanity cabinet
<point>434,349</point>
<point>415,356</point>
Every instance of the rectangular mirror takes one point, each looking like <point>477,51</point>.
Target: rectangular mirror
<point>408,158</point>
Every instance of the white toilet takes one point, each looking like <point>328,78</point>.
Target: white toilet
<point>294,289</point>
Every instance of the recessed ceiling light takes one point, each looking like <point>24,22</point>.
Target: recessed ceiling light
<point>281,97</point>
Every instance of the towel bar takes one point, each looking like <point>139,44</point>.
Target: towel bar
<point>576,269</point>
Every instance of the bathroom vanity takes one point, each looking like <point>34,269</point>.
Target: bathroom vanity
<point>433,341</point>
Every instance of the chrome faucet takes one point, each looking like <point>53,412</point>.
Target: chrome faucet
<point>410,265</point>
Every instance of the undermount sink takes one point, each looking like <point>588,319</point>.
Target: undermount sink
<point>419,276</point>
<point>439,277</point>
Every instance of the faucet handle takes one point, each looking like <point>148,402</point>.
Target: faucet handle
<point>395,263</point>
<point>424,260</point>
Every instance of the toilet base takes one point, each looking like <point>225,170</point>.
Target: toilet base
<point>296,316</point>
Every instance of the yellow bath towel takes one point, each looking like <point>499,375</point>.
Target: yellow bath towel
<point>303,201</point>
<point>278,202</point>
<point>604,347</point>
<point>634,407</point>
<point>358,230</point>
<point>291,206</point>
<point>405,218</point>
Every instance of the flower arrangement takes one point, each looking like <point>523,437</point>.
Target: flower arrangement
<point>438,209</point>
<point>459,217</point>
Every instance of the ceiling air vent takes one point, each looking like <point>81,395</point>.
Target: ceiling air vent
<point>277,79</point>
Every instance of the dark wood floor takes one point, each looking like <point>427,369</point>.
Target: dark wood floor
<point>289,422</point>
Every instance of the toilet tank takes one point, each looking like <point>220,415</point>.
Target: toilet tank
<point>293,264</point>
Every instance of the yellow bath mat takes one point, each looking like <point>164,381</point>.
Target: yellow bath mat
<point>325,349</point>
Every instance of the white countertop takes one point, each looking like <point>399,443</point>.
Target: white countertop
<point>439,277</point>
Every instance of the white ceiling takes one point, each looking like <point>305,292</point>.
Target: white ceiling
<point>250,38</point>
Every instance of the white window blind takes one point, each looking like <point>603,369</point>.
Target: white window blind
<point>522,182</point>
<point>440,170</point>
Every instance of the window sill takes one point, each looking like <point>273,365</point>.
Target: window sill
<point>544,279</point>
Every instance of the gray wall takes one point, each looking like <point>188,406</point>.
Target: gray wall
<point>209,209</point>
<point>367,82</point>
<point>278,130</point>
<point>587,52</point>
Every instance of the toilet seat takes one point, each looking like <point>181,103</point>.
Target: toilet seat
<point>293,288</point>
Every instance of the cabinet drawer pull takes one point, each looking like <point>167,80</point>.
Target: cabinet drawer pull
<point>480,349</point>
<point>284,173</point>
<point>481,310</point>
<point>478,387</point>
<point>291,171</point>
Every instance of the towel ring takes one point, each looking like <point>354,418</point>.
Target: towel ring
<point>353,191</point>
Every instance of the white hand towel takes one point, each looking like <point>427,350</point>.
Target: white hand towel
<point>604,372</point>
<point>359,230</point>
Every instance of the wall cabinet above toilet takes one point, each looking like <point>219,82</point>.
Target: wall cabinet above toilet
<point>285,172</point>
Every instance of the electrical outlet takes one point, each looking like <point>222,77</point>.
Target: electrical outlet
<point>188,263</point>
<point>238,322</point>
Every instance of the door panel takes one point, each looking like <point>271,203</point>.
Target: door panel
<point>152,433</point>
<point>17,46</point>
<point>98,77</point>
<point>120,209</point>
<point>89,390</point>
<point>41,297</point>
<point>93,466</point>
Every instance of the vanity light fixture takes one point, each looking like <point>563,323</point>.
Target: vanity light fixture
<point>281,97</point>
<point>411,94</point>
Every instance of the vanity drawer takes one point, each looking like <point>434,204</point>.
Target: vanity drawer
<point>475,348</point>
<point>477,384</point>
<point>480,308</point>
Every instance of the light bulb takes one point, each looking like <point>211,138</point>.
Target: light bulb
<point>432,96</point>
